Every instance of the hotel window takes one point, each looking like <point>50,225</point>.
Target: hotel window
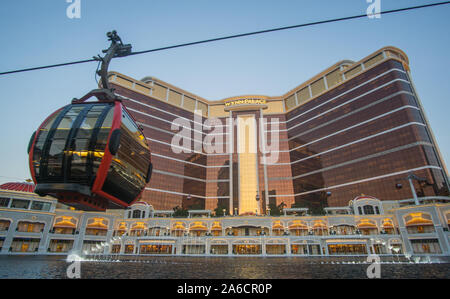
<point>426,246</point>
<point>334,78</point>
<point>24,245</point>
<point>189,103</point>
<point>219,249</point>
<point>4,202</point>
<point>303,95</point>
<point>129,248</point>
<point>20,204</point>
<point>373,60</point>
<point>159,91</point>
<point>350,249</point>
<point>420,229</point>
<point>290,102</point>
<point>174,98</point>
<point>353,71</point>
<point>91,246</point>
<point>136,214</point>
<point>123,81</point>
<point>317,87</point>
<point>41,206</point>
<point>142,88</point>
<point>30,227</point>
<point>203,107</point>
<point>115,249</point>
<point>60,245</point>
<point>368,210</point>
<point>4,225</point>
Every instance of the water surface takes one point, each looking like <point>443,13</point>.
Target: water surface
<point>220,268</point>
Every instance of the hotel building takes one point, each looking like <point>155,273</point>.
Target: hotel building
<point>355,128</point>
<point>330,155</point>
<point>33,225</point>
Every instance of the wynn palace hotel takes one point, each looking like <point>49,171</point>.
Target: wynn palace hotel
<point>355,128</point>
<point>345,163</point>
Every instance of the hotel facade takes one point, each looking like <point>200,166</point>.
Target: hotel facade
<point>333,155</point>
<point>355,128</point>
<point>33,225</point>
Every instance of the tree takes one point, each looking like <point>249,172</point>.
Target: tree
<point>180,212</point>
<point>219,210</point>
<point>276,210</point>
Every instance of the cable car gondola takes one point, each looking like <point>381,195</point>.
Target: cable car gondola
<point>91,154</point>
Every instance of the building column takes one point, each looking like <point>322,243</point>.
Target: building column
<point>207,247</point>
<point>109,234</point>
<point>45,241</point>
<point>78,242</point>
<point>9,237</point>
<point>442,239</point>
<point>405,240</point>
<point>368,246</point>
<point>179,247</point>
<point>122,246</point>
<point>323,245</point>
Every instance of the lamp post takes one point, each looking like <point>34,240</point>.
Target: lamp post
<point>411,176</point>
<point>223,210</point>
<point>257,199</point>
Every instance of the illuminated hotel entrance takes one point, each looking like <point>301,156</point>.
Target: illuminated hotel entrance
<point>247,249</point>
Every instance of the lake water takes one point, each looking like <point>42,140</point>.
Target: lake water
<point>221,268</point>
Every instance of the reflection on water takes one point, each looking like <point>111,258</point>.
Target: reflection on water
<point>220,268</point>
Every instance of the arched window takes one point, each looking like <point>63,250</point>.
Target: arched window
<point>143,214</point>
<point>136,214</point>
<point>368,210</point>
<point>377,210</point>
<point>359,210</point>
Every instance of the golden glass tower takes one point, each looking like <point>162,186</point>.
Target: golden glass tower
<point>248,167</point>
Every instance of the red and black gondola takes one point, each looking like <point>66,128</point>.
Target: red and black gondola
<point>90,155</point>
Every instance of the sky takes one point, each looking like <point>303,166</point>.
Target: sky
<point>39,32</point>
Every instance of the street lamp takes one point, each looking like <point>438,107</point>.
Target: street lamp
<point>411,176</point>
<point>223,210</point>
<point>257,199</point>
<point>235,211</point>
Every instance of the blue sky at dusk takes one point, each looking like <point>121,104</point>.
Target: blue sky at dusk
<point>38,32</point>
